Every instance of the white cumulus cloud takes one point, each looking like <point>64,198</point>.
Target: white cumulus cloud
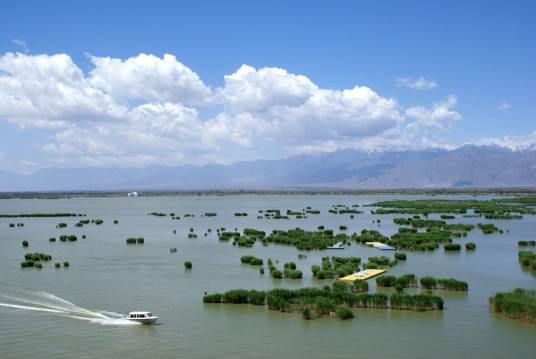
<point>272,102</point>
<point>440,115</point>
<point>249,89</point>
<point>49,91</point>
<point>149,78</point>
<point>147,110</point>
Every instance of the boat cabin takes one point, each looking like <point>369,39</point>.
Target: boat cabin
<point>139,315</point>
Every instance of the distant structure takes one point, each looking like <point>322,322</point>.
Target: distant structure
<point>133,194</point>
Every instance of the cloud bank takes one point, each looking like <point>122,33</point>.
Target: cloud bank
<point>147,110</point>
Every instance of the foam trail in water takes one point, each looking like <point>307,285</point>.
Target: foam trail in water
<point>49,303</point>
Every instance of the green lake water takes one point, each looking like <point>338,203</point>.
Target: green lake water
<point>107,276</point>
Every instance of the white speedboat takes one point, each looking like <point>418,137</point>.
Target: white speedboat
<point>141,317</point>
<point>338,245</point>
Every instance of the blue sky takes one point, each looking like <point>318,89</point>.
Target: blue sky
<point>479,54</point>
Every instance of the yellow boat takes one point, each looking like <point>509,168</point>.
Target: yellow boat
<point>364,275</point>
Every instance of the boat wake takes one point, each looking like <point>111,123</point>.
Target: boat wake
<point>49,303</point>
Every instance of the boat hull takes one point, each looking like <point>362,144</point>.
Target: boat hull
<point>150,320</point>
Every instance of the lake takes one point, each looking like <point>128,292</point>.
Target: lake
<point>41,311</point>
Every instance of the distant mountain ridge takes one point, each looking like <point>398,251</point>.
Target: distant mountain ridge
<point>466,166</point>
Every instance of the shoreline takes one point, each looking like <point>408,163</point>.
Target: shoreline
<point>292,192</point>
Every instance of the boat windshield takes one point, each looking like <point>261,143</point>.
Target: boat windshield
<point>149,314</point>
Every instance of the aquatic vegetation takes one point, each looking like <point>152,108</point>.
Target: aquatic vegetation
<point>407,281</point>
<point>240,214</point>
<point>341,209</point>
<point>157,214</point>
<point>116,221</point>
<point>302,239</point>
<point>306,312</point>
<point>52,239</point>
<point>419,223</point>
<point>132,240</point>
<point>256,297</point>
<point>57,265</point>
<point>400,256</point>
<point>212,298</point>
<point>225,236</point>
<point>38,265</point>
<point>470,246</point>
<point>428,206</point>
<point>70,238</point>
<point>27,263</point>
<point>289,266</point>
<point>369,236</point>
<point>452,284</point>
<point>25,244</point>
<point>526,243</point>
<point>61,225</point>
<point>432,226</point>
<point>187,265</point>
<point>37,257</point>
<point>502,216</point>
<point>344,312</point>
<point>428,282</point>
<point>529,201</point>
<point>247,242</point>
<point>66,264</point>
<point>236,296</point>
<point>173,250</point>
<point>377,262</point>
<point>449,284</point>
<point>360,286</point>
<point>417,302</point>
<point>210,214</point>
<point>487,228</point>
<point>343,228</point>
<point>38,215</point>
<point>251,260</point>
<point>293,273</point>
<point>408,239</point>
<point>336,267</point>
<point>527,259</point>
<point>386,281</point>
<point>452,247</point>
<point>314,302</point>
<point>517,304</point>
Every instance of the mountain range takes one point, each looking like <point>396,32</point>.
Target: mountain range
<point>463,167</point>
